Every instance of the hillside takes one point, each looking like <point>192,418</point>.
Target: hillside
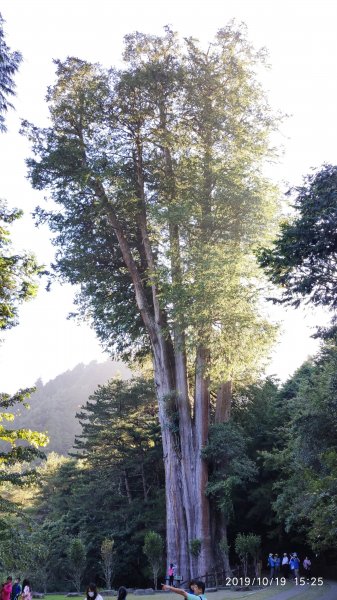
<point>54,405</point>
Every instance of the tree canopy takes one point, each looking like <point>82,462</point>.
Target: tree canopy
<point>156,171</point>
<point>302,260</point>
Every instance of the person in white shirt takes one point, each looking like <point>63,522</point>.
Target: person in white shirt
<point>285,565</point>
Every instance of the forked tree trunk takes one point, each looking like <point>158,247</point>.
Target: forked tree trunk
<point>186,475</point>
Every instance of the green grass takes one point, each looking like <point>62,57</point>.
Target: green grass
<point>309,593</point>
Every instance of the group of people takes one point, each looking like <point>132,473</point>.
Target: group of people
<point>288,567</point>
<point>16,591</point>
<point>10,591</point>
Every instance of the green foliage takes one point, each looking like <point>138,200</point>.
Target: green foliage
<point>17,284</point>
<point>171,147</point>
<point>247,545</point>
<point>308,503</point>
<point>153,549</point>
<point>9,64</point>
<point>230,467</point>
<point>77,560</point>
<point>302,260</point>
<point>17,272</point>
<point>195,547</point>
<point>113,489</point>
<point>19,448</point>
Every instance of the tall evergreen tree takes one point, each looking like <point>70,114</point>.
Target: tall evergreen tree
<point>157,172</point>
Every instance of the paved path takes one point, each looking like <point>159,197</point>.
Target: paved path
<point>328,594</point>
<point>331,594</point>
<point>287,594</point>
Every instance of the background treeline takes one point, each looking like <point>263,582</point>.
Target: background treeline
<point>54,405</point>
<point>273,472</point>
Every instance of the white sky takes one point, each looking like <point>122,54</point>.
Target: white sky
<point>302,43</point>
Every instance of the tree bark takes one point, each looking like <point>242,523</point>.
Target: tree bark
<point>201,420</point>
<point>224,402</point>
<point>186,473</point>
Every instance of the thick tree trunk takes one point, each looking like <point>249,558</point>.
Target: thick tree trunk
<point>223,402</point>
<point>176,527</point>
<point>220,541</point>
<point>186,474</point>
<point>201,420</point>
<point>222,415</point>
<point>192,434</point>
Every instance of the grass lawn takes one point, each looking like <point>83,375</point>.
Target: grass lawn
<point>308,593</point>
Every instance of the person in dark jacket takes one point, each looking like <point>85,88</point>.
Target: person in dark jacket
<point>16,589</point>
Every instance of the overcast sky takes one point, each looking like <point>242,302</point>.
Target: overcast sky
<point>302,43</point>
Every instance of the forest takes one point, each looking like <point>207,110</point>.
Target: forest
<point>163,218</point>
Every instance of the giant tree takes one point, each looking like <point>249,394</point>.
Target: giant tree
<point>156,172</point>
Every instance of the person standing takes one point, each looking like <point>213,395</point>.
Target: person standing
<point>122,593</point>
<point>16,590</point>
<point>170,573</point>
<point>277,561</point>
<point>307,566</point>
<point>26,590</point>
<point>198,588</point>
<point>295,566</point>
<point>285,565</point>
<point>7,589</point>
<point>271,565</point>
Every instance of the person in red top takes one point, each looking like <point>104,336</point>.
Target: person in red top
<point>7,589</point>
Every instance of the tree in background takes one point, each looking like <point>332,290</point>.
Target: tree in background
<point>107,552</point>
<point>306,464</point>
<point>9,64</point>
<point>77,560</point>
<point>17,272</point>
<point>157,173</point>
<point>41,554</point>
<point>230,471</point>
<point>113,488</point>
<point>153,549</point>
<point>121,436</point>
<point>17,284</point>
<point>248,545</point>
<point>302,259</point>
<point>261,413</point>
<point>14,462</point>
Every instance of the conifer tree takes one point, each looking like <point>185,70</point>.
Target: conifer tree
<point>156,172</point>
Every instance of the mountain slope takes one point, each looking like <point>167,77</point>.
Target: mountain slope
<point>54,405</point>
